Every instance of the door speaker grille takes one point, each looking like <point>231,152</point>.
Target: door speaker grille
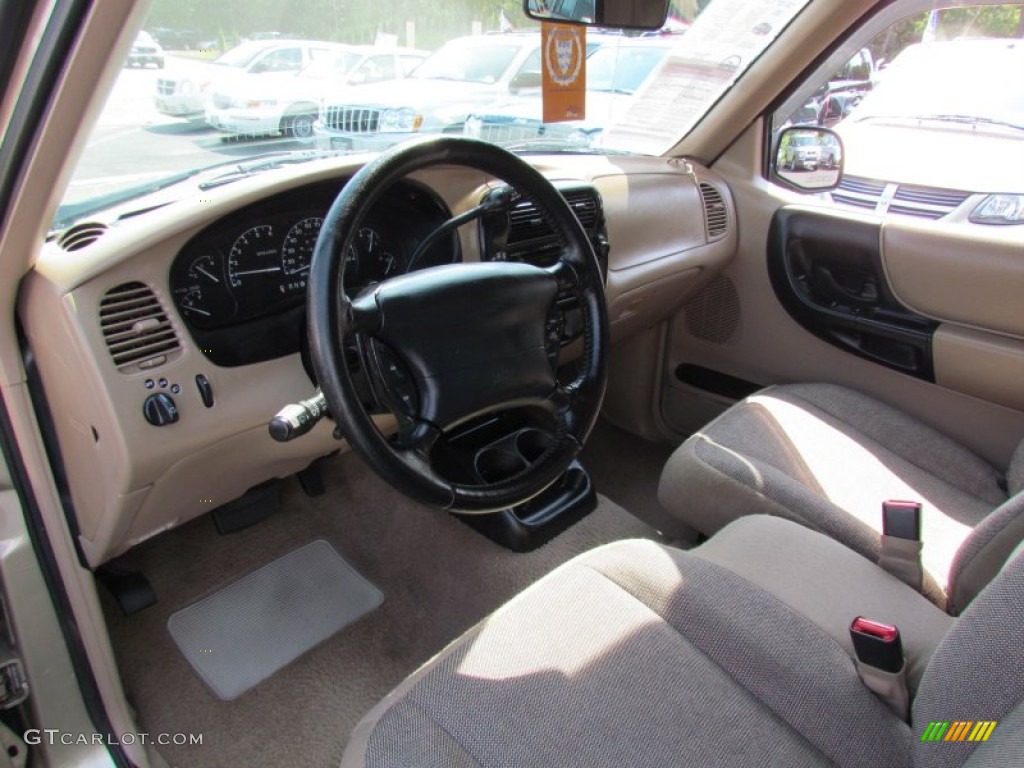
<point>713,314</point>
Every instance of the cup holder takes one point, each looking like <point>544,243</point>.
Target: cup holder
<point>512,454</point>
<point>531,444</point>
<point>496,464</point>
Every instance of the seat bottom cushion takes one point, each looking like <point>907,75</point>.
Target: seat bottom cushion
<point>636,654</point>
<point>827,457</point>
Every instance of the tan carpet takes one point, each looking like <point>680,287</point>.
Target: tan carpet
<point>438,577</point>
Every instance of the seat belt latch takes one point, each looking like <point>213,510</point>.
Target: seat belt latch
<point>901,542</point>
<point>877,644</point>
<point>880,662</point>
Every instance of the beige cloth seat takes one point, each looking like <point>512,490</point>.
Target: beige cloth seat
<point>733,654</point>
<point>827,457</point>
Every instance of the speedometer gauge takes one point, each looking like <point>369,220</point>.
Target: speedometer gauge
<point>297,253</point>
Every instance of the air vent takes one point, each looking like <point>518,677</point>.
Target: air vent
<point>81,235</point>
<point>526,223</point>
<point>716,216</point>
<point>136,327</point>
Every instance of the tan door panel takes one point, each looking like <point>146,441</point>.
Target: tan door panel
<point>960,273</point>
<point>981,364</point>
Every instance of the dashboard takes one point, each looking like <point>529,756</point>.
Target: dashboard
<point>240,284</point>
<point>199,300</point>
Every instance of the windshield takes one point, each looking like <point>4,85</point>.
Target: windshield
<point>199,109</point>
<point>621,69</point>
<point>958,80</point>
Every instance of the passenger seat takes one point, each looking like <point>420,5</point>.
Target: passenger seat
<point>828,457</point>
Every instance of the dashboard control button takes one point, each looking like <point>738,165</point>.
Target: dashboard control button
<point>205,390</point>
<point>160,410</point>
<point>175,389</point>
<point>150,383</point>
<point>163,383</point>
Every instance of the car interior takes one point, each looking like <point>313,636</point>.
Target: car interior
<point>450,456</point>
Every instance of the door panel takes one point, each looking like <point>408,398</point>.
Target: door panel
<point>981,364</point>
<point>826,269</point>
<point>962,273</point>
<point>764,344</point>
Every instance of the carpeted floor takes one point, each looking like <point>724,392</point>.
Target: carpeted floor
<point>438,577</point>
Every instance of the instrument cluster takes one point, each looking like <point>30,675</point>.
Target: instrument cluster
<point>255,263</point>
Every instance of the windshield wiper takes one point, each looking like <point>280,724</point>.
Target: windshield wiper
<point>267,162</point>
<point>971,120</point>
<point>964,119</point>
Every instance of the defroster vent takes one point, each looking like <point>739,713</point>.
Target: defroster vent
<point>137,330</point>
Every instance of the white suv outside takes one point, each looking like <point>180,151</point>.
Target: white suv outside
<point>463,75</point>
<point>257,105</point>
<point>185,95</point>
<point>958,100</point>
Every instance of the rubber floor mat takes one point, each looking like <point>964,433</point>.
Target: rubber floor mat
<point>245,632</point>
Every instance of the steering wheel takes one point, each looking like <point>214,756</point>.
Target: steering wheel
<point>449,343</point>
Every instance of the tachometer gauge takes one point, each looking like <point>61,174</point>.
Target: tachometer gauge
<point>378,258</point>
<point>254,257</point>
<point>297,253</point>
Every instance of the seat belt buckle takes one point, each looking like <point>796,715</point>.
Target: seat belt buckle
<point>902,519</point>
<point>880,662</point>
<point>877,645</point>
<point>900,550</point>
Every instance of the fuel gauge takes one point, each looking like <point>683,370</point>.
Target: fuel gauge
<point>200,292</point>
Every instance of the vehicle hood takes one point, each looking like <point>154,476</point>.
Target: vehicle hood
<point>971,158</point>
<point>418,94</point>
<point>602,109</point>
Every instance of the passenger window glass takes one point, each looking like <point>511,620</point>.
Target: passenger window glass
<point>408,64</point>
<point>285,60</point>
<point>941,83</point>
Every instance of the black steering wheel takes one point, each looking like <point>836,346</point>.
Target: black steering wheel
<point>449,343</point>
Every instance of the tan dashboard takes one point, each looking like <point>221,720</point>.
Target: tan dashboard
<point>670,226</point>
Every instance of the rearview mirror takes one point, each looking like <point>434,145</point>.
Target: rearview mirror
<point>809,159</point>
<point>638,14</point>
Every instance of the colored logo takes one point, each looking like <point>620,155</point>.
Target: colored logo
<point>959,730</point>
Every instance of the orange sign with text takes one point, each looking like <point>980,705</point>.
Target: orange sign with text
<point>564,57</point>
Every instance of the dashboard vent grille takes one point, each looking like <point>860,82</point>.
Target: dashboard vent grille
<point>81,235</point>
<point>136,327</point>
<point>716,216</point>
<point>527,224</point>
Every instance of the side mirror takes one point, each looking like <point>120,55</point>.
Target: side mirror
<point>639,14</point>
<point>809,159</point>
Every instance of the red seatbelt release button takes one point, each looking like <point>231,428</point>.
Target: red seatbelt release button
<point>877,644</point>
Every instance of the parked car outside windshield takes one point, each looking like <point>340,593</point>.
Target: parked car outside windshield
<point>261,105</point>
<point>185,92</point>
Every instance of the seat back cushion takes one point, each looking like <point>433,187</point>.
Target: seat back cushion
<point>983,552</point>
<point>1015,474</point>
<point>977,674</point>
